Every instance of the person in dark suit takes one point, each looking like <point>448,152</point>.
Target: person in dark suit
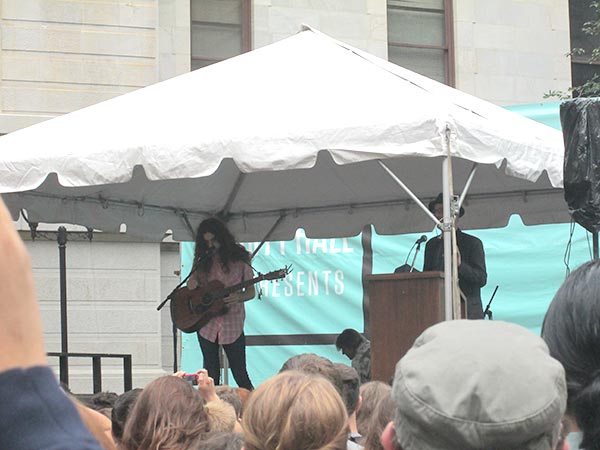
<point>472,275</point>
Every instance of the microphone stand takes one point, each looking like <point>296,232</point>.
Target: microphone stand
<point>488,311</point>
<point>170,296</point>
<point>176,288</point>
<point>412,264</point>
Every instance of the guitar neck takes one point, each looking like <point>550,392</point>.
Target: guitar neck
<point>240,286</point>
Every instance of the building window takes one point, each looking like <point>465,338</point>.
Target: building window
<point>420,37</point>
<point>582,69</point>
<point>220,30</point>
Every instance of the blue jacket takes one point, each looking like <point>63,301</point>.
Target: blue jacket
<point>35,413</point>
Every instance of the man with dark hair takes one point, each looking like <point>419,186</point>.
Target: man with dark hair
<point>102,400</point>
<point>120,411</point>
<point>358,349</point>
<point>472,275</point>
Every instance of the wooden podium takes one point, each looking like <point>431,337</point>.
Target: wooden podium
<point>401,307</point>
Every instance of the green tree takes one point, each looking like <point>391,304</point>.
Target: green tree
<point>591,87</point>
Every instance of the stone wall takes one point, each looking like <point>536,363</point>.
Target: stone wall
<point>360,23</point>
<point>511,52</point>
<point>57,56</point>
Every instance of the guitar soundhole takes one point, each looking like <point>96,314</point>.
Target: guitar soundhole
<point>206,301</point>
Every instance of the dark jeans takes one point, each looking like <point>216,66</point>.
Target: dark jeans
<point>236,355</point>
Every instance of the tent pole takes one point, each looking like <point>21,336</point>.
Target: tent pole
<point>410,193</point>
<point>446,225</point>
<point>188,225</point>
<point>64,341</point>
<point>454,211</point>
<point>269,233</point>
<point>595,244</point>
<point>447,234</point>
<point>467,186</point>
<point>224,213</point>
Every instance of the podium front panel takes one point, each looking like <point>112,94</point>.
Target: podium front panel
<point>401,307</point>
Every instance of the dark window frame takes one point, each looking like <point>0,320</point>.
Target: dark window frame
<point>244,26</point>
<point>448,49</point>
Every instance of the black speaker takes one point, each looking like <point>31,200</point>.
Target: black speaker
<point>580,120</point>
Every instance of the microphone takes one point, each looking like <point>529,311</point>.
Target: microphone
<point>208,253</point>
<point>405,267</point>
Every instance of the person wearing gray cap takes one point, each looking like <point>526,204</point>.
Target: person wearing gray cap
<point>476,385</point>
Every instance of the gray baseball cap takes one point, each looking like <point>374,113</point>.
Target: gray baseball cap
<point>475,384</point>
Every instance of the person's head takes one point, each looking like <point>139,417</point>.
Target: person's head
<point>312,363</point>
<point>350,386</point>
<point>571,330</point>
<point>230,395</point>
<point>213,235</point>
<point>244,397</point>
<point>222,441</point>
<point>120,411</point>
<point>295,411</point>
<point>436,206</point>
<point>221,416</point>
<point>102,400</point>
<point>381,416</point>
<point>372,393</point>
<point>96,423</point>
<point>169,413</point>
<point>476,385</point>
<point>348,342</point>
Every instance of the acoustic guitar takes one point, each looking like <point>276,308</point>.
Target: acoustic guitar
<point>191,309</point>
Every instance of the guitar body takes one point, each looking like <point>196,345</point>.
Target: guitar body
<point>191,309</point>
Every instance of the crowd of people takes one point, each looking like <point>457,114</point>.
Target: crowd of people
<point>464,384</point>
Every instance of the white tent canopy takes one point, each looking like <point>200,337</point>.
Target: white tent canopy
<point>289,134</point>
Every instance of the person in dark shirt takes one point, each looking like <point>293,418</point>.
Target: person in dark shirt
<point>472,274</point>
<point>358,349</point>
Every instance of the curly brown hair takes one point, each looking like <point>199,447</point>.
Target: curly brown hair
<point>168,415</point>
<point>229,250</point>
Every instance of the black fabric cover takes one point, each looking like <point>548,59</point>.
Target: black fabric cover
<point>580,120</point>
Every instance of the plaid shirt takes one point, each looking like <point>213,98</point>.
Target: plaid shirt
<point>227,328</point>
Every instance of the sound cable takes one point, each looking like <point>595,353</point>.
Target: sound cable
<point>567,255</point>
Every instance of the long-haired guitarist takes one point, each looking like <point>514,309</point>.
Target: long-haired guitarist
<point>219,257</point>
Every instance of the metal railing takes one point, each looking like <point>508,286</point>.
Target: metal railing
<point>96,367</point>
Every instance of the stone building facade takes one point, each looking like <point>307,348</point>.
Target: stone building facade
<point>58,56</point>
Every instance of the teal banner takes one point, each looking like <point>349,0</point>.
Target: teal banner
<point>323,294</point>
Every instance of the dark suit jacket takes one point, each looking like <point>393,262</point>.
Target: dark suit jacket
<point>472,275</point>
